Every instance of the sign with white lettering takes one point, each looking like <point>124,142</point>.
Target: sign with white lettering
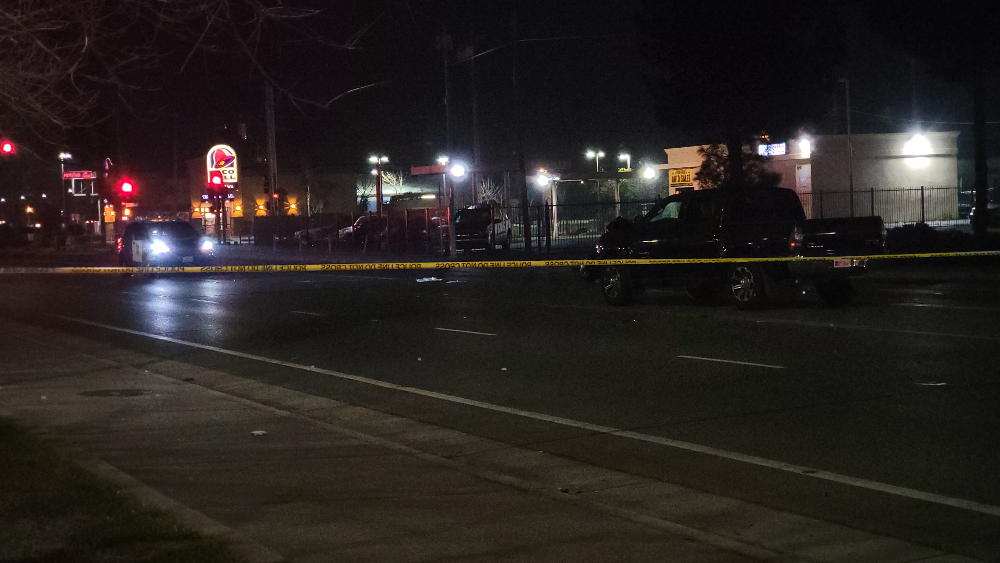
<point>222,158</point>
<point>776,149</point>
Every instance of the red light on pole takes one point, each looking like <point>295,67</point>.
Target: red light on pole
<point>127,188</point>
<point>7,147</point>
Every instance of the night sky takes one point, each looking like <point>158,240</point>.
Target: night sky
<point>581,77</point>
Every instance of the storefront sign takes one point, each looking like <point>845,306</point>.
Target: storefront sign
<point>776,149</point>
<point>79,175</point>
<point>222,158</point>
<point>682,177</point>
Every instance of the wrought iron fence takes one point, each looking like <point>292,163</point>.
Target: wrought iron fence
<point>575,225</point>
<point>935,206</point>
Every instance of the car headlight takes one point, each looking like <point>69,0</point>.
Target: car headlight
<point>159,247</point>
<point>206,246</point>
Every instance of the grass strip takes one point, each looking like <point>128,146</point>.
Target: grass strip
<point>51,510</point>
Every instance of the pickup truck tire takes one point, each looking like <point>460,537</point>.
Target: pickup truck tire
<point>616,286</point>
<point>743,285</point>
<point>835,292</point>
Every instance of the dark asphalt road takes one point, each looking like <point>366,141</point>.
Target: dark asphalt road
<point>881,415</point>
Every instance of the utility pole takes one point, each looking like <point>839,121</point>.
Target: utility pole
<point>476,150</point>
<point>519,128</point>
<point>444,44</point>
<point>979,226</point>
<point>272,150</point>
<point>850,147</point>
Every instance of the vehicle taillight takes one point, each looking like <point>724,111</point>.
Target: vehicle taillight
<point>795,241</point>
<point>119,244</point>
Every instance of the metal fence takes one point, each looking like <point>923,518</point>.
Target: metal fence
<point>575,225</point>
<point>581,225</point>
<point>935,206</point>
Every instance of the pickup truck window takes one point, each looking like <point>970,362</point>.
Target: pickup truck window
<point>671,210</point>
<point>700,213</point>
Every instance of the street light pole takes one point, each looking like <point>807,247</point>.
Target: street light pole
<point>63,156</point>
<point>378,161</point>
<point>628,160</point>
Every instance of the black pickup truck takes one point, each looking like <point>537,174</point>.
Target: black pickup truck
<point>735,223</point>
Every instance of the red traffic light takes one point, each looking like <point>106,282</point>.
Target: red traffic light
<point>215,182</point>
<point>7,147</point>
<point>126,187</point>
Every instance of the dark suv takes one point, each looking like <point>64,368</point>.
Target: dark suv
<point>162,243</point>
<point>482,226</point>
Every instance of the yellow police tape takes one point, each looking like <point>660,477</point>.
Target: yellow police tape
<point>467,265</point>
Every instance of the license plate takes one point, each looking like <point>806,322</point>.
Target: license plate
<point>188,259</point>
<point>842,263</point>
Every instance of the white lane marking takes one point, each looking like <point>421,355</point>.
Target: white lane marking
<point>205,301</point>
<point>308,313</point>
<point>465,331</point>
<point>861,327</point>
<point>958,307</point>
<point>793,322</point>
<point>732,362</point>
<point>688,446</point>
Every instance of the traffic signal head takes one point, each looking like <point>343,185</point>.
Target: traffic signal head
<point>7,147</point>
<point>216,185</point>
<point>126,188</point>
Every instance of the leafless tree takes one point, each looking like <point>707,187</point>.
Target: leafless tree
<point>491,191</point>
<point>58,57</point>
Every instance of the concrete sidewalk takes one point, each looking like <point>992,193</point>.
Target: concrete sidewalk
<point>288,476</point>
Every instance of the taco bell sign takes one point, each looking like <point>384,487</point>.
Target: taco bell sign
<point>222,158</point>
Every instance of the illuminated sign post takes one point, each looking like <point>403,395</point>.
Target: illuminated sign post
<point>222,173</point>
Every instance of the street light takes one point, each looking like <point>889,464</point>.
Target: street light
<point>378,161</point>
<point>63,157</point>
<point>596,156</point>
<point>628,160</point>
<point>648,173</point>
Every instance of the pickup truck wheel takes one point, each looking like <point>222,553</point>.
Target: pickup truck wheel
<point>743,285</point>
<point>835,292</point>
<point>616,286</point>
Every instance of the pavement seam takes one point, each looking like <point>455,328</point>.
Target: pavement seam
<point>187,516</point>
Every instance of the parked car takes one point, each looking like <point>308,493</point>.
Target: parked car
<point>482,227</point>
<point>163,243</point>
<point>992,214</point>
<point>735,223</point>
<point>315,234</point>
